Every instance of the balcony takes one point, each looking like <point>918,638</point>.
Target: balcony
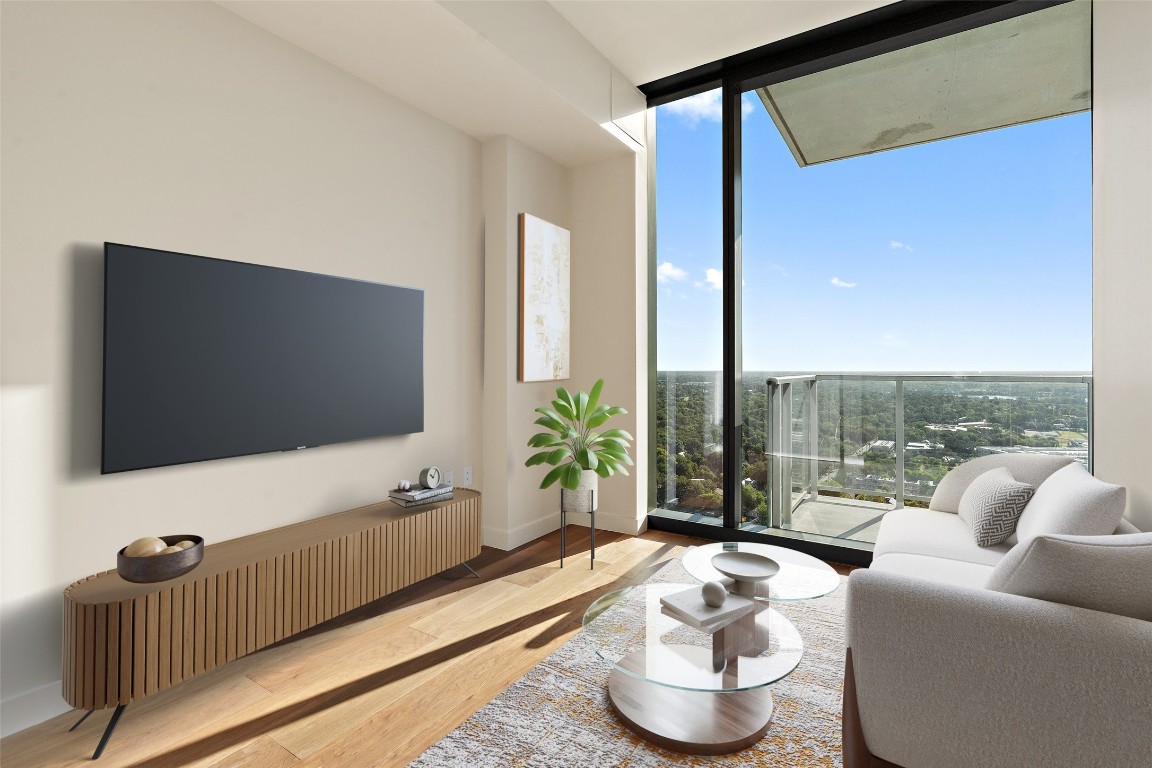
<point>826,456</point>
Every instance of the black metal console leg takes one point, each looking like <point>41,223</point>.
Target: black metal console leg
<point>471,569</point>
<point>108,731</point>
<point>81,720</point>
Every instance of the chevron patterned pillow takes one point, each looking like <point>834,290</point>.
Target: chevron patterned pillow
<point>992,504</point>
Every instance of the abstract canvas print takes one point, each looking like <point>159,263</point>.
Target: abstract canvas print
<point>545,310</point>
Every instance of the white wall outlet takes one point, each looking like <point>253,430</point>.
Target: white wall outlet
<point>447,477</point>
<point>467,475</point>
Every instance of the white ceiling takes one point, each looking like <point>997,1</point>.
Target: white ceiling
<point>650,39</point>
<point>428,56</point>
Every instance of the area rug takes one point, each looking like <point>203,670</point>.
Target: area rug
<point>558,716</point>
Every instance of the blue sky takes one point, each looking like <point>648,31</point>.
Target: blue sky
<point>966,255</point>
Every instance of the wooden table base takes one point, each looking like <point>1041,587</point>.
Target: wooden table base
<point>694,722</point>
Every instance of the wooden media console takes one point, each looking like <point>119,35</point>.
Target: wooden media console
<point>124,641</point>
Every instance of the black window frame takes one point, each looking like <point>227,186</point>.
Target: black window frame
<point>873,33</point>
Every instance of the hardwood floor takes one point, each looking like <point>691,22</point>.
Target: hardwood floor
<point>375,687</point>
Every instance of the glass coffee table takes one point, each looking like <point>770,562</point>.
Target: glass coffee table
<point>689,690</point>
<point>666,683</point>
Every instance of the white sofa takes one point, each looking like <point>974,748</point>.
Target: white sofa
<point>1035,651</point>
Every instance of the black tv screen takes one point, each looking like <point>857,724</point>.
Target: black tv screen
<point>206,359</point>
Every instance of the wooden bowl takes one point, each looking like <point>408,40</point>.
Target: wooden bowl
<point>144,570</point>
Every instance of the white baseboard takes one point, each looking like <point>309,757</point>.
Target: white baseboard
<point>510,539</point>
<point>608,522</point>
<point>31,708</point>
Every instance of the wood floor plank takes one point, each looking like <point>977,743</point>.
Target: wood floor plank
<point>261,753</point>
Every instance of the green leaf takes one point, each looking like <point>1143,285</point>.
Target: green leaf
<point>617,433</point>
<point>554,475</point>
<point>558,455</point>
<point>544,440</point>
<point>570,433</point>
<point>564,403</point>
<point>597,417</point>
<point>587,458</point>
<point>594,395</point>
<point>581,405</point>
<point>537,458</point>
<point>552,414</point>
<point>550,423</point>
<point>604,469</point>
<point>571,477</point>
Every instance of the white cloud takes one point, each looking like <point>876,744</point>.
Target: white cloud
<point>714,278</point>
<point>702,106</point>
<point>892,340</point>
<point>705,106</point>
<point>746,106</point>
<point>667,272</point>
<point>899,246</point>
<point>841,284</point>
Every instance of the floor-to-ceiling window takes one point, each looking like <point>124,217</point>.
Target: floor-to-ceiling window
<point>912,236</point>
<point>688,449</point>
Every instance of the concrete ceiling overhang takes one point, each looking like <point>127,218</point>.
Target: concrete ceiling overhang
<point>1027,68</point>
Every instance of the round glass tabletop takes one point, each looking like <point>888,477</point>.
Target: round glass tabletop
<point>628,629</point>
<point>801,576</point>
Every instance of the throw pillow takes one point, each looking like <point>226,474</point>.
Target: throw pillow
<point>991,505</point>
<point>1104,573</point>
<point>1074,503</point>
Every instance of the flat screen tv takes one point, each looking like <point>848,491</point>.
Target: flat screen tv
<point>207,359</point>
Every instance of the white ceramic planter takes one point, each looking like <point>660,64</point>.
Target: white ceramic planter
<point>586,497</point>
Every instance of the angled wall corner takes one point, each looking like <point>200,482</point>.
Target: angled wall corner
<point>1122,230</point>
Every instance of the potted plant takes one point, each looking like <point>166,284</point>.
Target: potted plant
<point>577,453</point>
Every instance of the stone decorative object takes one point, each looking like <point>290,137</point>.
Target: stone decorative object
<point>149,545</point>
<point>745,569</point>
<point>176,556</point>
<point>713,593</point>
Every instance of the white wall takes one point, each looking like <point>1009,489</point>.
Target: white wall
<point>516,180</point>
<point>180,126</point>
<point>1122,250</point>
<point>603,206</point>
<point>610,336</point>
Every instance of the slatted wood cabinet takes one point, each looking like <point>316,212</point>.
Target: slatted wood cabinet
<point>123,641</point>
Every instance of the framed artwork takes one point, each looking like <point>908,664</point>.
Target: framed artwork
<point>545,309</point>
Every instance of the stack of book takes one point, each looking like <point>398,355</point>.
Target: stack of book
<point>418,494</point>
<point>689,608</point>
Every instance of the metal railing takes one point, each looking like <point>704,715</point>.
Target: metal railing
<point>792,435</point>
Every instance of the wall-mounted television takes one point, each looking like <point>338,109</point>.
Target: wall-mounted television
<point>207,359</point>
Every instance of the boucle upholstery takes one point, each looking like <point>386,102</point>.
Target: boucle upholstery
<point>1104,573</point>
<point>953,677</point>
<point>1029,468</point>
<point>937,534</point>
<point>941,569</point>
<point>1072,502</point>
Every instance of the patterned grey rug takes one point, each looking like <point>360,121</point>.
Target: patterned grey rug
<point>558,714</point>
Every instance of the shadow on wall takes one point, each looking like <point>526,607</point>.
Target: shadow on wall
<point>30,657</point>
<point>85,361</point>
